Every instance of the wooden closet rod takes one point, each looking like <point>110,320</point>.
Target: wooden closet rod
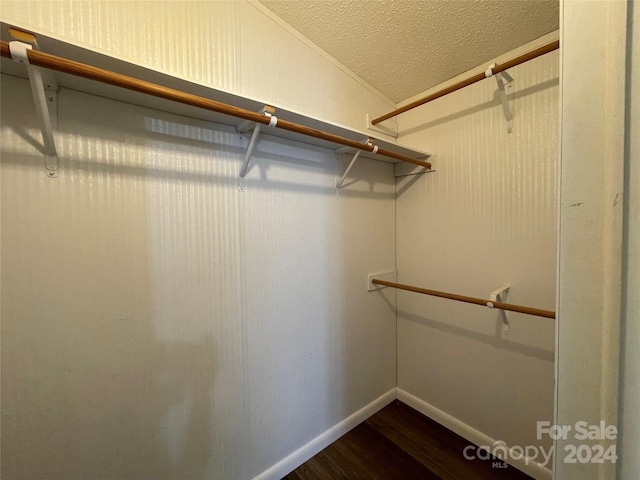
<point>474,300</point>
<point>64,65</point>
<point>549,47</point>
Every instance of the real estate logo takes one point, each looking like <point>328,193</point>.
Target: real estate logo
<point>588,445</point>
<point>583,432</point>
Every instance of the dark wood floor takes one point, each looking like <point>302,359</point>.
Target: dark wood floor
<point>400,443</point>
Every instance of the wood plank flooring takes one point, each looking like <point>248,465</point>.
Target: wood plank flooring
<point>400,443</point>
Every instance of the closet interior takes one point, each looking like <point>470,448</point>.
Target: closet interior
<point>217,260</point>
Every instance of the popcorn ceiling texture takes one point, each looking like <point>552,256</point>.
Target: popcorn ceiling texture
<point>403,47</point>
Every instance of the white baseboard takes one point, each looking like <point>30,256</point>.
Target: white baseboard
<point>526,465</point>
<point>304,453</point>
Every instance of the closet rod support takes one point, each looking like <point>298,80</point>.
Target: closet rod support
<point>504,82</point>
<point>387,275</point>
<point>499,295</point>
<point>346,172</point>
<point>252,145</point>
<point>257,128</point>
<point>19,54</point>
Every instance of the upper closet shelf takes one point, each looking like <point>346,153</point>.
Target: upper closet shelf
<point>289,125</point>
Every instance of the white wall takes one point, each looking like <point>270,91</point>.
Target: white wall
<point>156,321</point>
<point>487,217</point>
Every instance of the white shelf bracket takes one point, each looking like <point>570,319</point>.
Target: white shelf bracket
<point>505,82</point>
<point>352,163</point>
<point>346,172</point>
<point>19,54</point>
<point>252,145</point>
<point>257,128</point>
<point>500,295</point>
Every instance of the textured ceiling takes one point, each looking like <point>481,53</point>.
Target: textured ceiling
<point>403,47</point>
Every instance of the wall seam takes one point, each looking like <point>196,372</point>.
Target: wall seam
<point>246,467</point>
<point>395,266</point>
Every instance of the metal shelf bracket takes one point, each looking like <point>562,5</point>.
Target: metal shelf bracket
<point>244,127</point>
<point>500,295</point>
<point>352,163</point>
<point>346,172</point>
<point>41,98</point>
<point>505,84</point>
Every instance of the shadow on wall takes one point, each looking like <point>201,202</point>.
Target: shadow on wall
<point>95,384</point>
<point>262,160</point>
<point>123,351</point>
<point>141,411</point>
<point>483,106</point>
<point>496,340</point>
<point>89,389</point>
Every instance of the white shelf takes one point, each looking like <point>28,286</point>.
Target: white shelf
<point>70,51</point>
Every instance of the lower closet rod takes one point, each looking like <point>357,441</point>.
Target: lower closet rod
<point>64,65</point>
<point>462,298</point>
